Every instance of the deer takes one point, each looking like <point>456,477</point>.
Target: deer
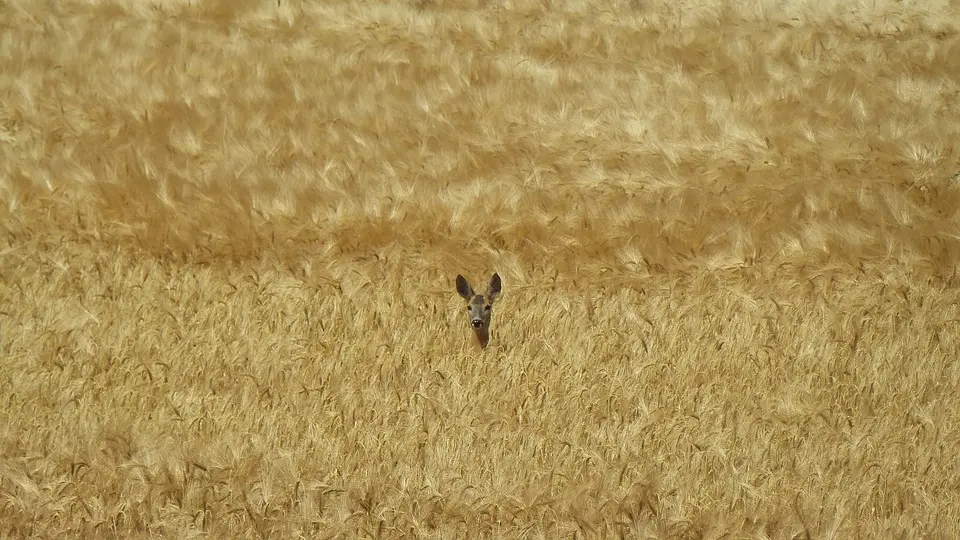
<point>479,306</point>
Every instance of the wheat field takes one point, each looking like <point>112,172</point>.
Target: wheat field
<point>728,232</point>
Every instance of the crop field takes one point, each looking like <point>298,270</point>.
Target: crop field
<point>728,235</point>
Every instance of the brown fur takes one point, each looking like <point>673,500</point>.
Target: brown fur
<point>480,306</point>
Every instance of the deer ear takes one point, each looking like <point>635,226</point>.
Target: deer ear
<point>495,287</point>
<point>464,288</point>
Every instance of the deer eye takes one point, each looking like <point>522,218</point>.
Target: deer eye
<point>486,308</point>
<point>468,309</point>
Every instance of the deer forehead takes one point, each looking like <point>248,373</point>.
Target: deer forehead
<point>479,300</point>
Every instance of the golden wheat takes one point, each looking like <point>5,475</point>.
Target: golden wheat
<point>728,233</point>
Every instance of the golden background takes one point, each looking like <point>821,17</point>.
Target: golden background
<point>729,236</point>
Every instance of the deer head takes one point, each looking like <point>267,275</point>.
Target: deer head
<point>479,306</point>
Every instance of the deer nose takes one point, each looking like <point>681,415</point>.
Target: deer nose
<point>477,323</point>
